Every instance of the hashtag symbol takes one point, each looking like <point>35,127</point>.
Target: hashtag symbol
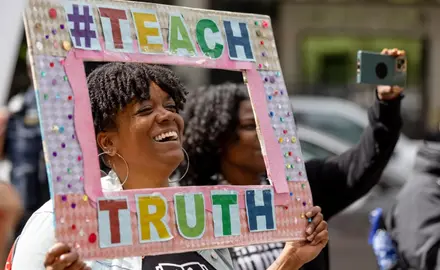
<point>86,19</point>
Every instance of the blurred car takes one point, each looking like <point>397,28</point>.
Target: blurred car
<point>315,144</point>
<point>345,122</point>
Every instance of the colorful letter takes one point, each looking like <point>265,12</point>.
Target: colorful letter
<point>225,213</point>
<point>148,31</point>
<point>260,210</point>
<point>209,38</point>
<point>180,41</point>
<point>116,28</point>
<point>239,41</point>
<point>114,222</point>
<point>82,26</point>
<point>190,214</point>
<point>152,218</point>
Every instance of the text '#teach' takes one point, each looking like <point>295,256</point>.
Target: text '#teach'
<point>117,36</point>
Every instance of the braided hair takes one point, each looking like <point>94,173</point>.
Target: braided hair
<point>113,86</point>
<point>211,120</point>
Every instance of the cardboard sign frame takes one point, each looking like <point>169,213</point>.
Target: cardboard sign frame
<point>63,35</point>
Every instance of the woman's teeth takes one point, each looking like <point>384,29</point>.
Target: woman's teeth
<point>169,136</point>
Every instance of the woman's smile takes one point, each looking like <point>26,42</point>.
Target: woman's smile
<point>166,136</point>
<point>168,139</point>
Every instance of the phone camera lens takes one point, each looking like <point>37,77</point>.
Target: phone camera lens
<point>381,70</point>
<point>400,64</point>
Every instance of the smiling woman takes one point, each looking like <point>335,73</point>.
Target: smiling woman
<point>135,109</point>
<point>151,97</point>
<point>128,138</point>
<point>139,130</point>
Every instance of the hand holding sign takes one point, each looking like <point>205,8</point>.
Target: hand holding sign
<point>296,254</point>
<point>61,256</point>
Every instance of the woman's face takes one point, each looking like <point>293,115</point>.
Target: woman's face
<point>245,150</point>
<point>148,136</point>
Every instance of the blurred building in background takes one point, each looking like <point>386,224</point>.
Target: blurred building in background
<point>317,43</point>
<point>318,39</point>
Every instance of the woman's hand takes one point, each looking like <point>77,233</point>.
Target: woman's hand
<point>61,256</point>
<point>385,92</point>
<point>316,235</point>
<point>296,254</point>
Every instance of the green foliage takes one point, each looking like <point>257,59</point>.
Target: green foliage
<point>315,47</point>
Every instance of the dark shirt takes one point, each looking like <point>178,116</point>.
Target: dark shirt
<point>24,149</point>
<point>337,182</point>
<point>414,220</point>
<point>178,261</point>
<point>255,257</point>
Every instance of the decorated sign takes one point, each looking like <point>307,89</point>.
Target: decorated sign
<point>63,35</point>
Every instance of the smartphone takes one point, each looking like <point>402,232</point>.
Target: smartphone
<point>380,69</point>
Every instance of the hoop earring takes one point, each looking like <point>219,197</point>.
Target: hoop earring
<point>126,165</point>
<point>186,171</point>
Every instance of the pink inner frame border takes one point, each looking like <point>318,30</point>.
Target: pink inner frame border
<point>74,67</point>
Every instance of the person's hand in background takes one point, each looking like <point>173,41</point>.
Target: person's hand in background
<point>4,117</point>
<point>385,92</point>
<point>10,213</point>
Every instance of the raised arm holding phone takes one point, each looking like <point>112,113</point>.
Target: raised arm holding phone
<point>221,138</point>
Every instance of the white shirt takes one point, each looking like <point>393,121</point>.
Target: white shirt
<point>38,237</point>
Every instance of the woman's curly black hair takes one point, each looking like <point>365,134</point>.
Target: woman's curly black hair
<point>211,120</point>
<point>113,86</point>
